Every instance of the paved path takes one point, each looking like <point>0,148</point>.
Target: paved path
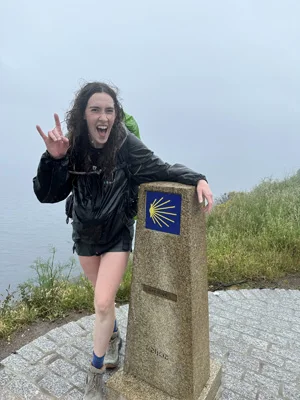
<point>254,333</point>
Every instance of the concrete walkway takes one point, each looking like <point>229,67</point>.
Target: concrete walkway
<point>254,333</point>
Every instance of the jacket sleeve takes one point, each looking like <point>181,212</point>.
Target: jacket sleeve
<point>53,182</point>
<point>145,166</point>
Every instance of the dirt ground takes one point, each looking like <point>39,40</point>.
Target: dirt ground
<point>290,281</point>
<point>31,332</point>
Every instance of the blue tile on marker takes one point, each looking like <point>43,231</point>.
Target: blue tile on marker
<point>163,212</point>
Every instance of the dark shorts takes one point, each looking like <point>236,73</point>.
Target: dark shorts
<point>122,243</point>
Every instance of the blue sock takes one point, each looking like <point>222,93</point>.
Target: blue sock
<point>97,362</point>
<point>116,326</point>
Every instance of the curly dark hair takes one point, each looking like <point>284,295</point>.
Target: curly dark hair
<point>80,147</point>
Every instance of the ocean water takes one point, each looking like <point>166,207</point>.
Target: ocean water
<point>28,229</point>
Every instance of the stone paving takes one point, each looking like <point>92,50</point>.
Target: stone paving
<point>254,333</point>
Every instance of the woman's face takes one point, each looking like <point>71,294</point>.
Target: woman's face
<point>100,116</point>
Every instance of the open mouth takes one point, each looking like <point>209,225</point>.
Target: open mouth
<point>102,130</point>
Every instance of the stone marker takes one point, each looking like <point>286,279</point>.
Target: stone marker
<point>167,347</point>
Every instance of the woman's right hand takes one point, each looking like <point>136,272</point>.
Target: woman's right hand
<point>57,144</point>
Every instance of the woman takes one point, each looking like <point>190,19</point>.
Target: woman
<point>102,164</point>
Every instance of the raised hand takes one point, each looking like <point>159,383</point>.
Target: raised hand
<point>57,144</point>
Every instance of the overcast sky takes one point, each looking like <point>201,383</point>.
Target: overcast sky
<point>212,84</point>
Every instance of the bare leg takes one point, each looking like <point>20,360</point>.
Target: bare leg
<point>111,271</point>
<point>105,274</point>
<point>90,266</point>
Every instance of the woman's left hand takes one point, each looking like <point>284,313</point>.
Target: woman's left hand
<point>204,192</point>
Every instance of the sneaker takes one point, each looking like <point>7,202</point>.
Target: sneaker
<point>111,359</point>
<point>95,386</point>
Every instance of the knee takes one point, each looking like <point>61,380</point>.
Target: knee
<point>103,306</point>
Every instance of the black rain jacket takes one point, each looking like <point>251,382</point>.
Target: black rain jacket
<point>101,208</point>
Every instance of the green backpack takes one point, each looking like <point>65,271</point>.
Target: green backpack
<point>131,124</point>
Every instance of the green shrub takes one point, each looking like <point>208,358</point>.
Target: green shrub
<point>256,235</point>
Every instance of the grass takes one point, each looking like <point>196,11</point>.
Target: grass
<point>256,235</point>
<point>50,295</point>
<point>250,236</point>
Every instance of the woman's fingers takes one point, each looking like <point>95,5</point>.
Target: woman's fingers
<point>64,139</point>
<point>57,144</point>
<point>209,205</point>
<point>204,192</point>
<point>39,129</point>
<point>57,124</point>
<point>53,136</point>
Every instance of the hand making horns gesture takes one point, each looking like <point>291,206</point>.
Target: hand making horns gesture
<point>57,144</point>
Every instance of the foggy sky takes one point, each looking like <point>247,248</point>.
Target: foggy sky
<point>213,85</point>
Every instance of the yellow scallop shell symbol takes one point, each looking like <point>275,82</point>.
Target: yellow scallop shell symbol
<point>158,212</point>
